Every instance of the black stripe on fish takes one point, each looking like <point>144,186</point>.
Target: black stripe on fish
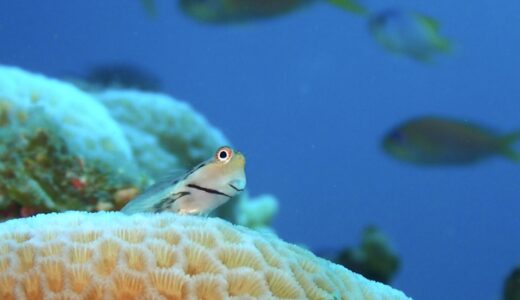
<point>211,191</point>
<point>168,201</point>
<point>235,188</point>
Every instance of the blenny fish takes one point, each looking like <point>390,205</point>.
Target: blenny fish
<point>199,191</point>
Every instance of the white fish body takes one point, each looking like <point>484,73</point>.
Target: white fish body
<point>199,191</point>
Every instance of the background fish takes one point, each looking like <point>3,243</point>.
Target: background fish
<point>442,141</point>
<point>229,11</point>
<point>409,33</point>
<point>122,75</point>
<point>199,191</point>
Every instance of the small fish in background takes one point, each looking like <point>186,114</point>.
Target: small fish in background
<point>442,141</point>
<point>197,192</point>
<point>119,75</point>
<point>511,289</point>
<point>408,33</point>
<point>236,11</point>
<point>374,258</point>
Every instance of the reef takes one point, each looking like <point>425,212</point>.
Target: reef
<point>59,148</point>
<point>110,255</point>
<point>70,149</point>
<point>373,258</point>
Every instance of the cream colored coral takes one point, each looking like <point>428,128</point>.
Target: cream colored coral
<point>77,255</point>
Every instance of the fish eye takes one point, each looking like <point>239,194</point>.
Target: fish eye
<point>397,136</point>
<point>224,154</point>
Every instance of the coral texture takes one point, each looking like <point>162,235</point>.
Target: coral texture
<point>60,149</point>
<point>109,255</point>
<point>85,123</point>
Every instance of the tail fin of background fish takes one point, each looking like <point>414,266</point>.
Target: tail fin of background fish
<point>352,6</point>
<point>441,43</point>
<point>510,146</point>
<point>444,45</point>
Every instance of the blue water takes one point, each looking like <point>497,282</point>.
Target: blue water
<point>307,97</point>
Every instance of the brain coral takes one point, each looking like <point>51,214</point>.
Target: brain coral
<point>109,255</point>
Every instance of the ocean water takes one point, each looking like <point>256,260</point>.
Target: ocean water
<point>307,97</point>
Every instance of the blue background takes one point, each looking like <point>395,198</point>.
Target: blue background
<point>308,97</point>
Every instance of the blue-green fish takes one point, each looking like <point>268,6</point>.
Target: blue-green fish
<point>199,191</point>
<point>442,141</point>
<point>233,11</point>
<point>409,33</point>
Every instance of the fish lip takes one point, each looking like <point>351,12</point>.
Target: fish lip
<point>235,188</point>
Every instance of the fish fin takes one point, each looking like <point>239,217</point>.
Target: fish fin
<point>171,176</point>
<point>508,142</point>
<point>152,195</point>
<point>444,45</point>
<point>168,180</point>
<point>149,7</point>
<point>429,22</point>
<point>352,6</point>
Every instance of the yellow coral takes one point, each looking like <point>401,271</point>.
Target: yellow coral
<point>103,255</point>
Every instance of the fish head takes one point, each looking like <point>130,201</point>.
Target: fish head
<point>225,172</point>
<point>391,29</point>
<point>400,145</point>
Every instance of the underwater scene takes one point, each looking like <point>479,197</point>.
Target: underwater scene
<point>260,149</point>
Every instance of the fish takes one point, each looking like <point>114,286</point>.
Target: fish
<point>237,11</point>
<point>408,33</point>
<point>198,191</point>
<point>122,75</point>
<point>436,140</point>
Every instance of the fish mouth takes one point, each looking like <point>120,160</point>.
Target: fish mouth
<point>236,188</point>
<point>238,185</point>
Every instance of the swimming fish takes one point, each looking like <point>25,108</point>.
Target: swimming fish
<point>122,75</point>
<point>441,141</point>
<point>233,11</point>
<point>409,33</point>
<point>199,191</point>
